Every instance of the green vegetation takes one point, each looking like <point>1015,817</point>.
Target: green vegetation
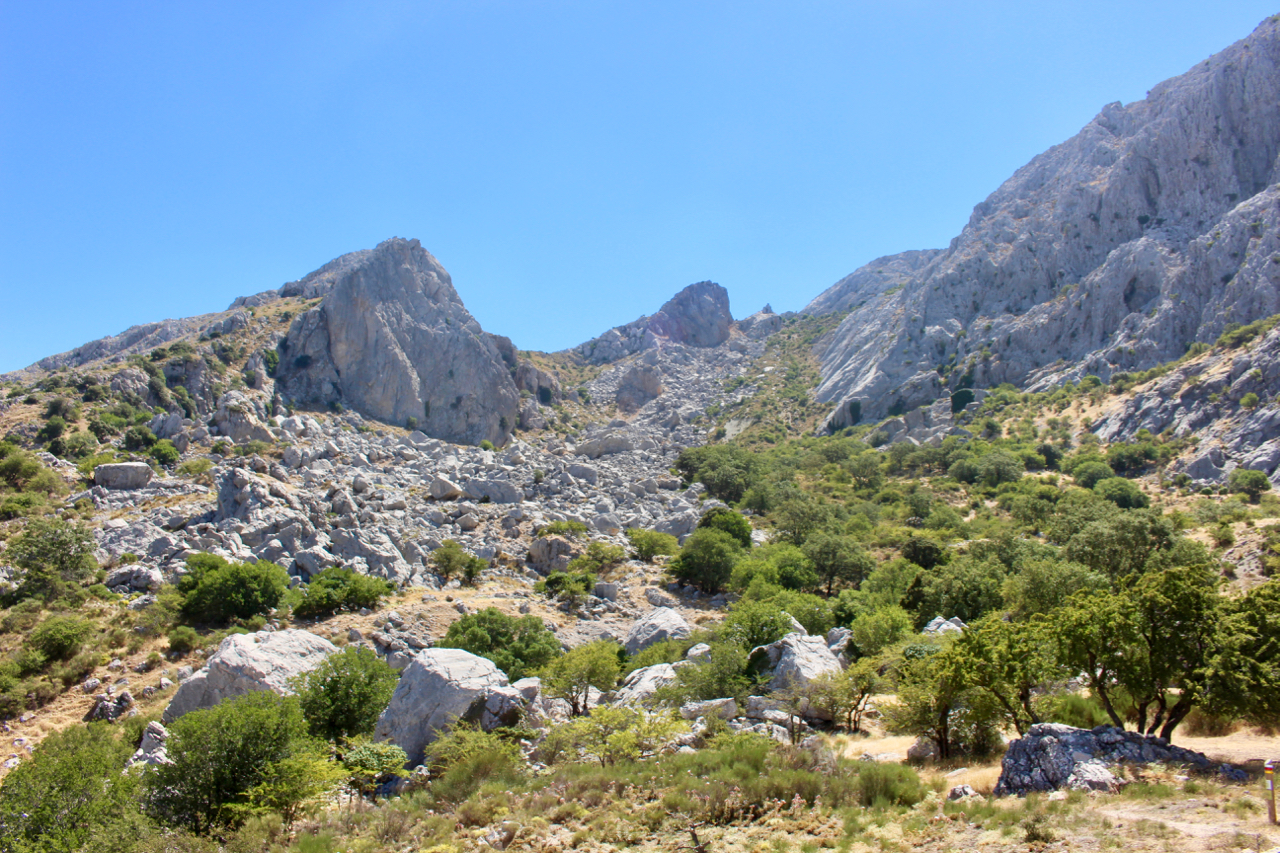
<point>343,696</point>
<point>337,589</point>
<point>451,560</point>
<point>216,591</point>
<point>517,645</point>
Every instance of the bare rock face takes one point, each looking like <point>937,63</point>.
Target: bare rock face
<point>1053,756</point>
<point>122,475</point>
<point>639,385</point>
<point>393,340</point>
<point>435,689</point>
<point>267,660</point>
<point>661,623</point>
<point>1150,229</point>
<point>697,316</point>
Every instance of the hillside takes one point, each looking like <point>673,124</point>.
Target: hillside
<point>336,569</point>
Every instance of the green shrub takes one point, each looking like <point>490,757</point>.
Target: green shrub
<point>80,445</point>
<point>706,560</point>
<point>164,452</point>
<point>753,623</point>
<point>60,637</point>
<point>219,754</point>
<point>572,529</point>
<point>464,758</point>
<point>1249,401</point>
<point>450,560</point>
<point>336,589</point>
<point>1247,482</point>
<point>343,696</point>
<point>138,438</point>
<point>72,785</point>
<point>183,639</point>
<point>1121,492</point>
<point>195,467</point>
<point>370,764</point>
<point>214,590</point>
<point>517,645</point>
<point>486,444</point>
<point>647,544</point>
<point>881,785</point>
<point>733,523</point>
<point>572,586</point>
<point>1088,474</point>
<point>598,557</point>
<point>572,675</point>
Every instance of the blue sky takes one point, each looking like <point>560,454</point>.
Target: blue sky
<point>572,164</point>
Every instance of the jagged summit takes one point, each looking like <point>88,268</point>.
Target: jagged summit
<point>1151,228</point>
<point>698,316</point>
<point>393,340</point>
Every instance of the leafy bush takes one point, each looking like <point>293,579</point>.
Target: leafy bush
<point>572,675</point>
<point>343,696</point>
<point>1247,482</point>
<point>183,639</point>
<point>572,529</point>
<point>1249,401</point>
<point>164,452</point>
<point>647,544</point>
<point>517,645</point>
<point>881,785</point>
<point>60,637</point>
<point>138,438</point>
<point>215,590</point>
<point>706,560</point>
<point>464,758</point>
<point>1088,474</point>
<point>572,586</point>
<point>733,523</point>
<point>1121,492</point>
<point>598,557</point>
<point>72,785</point>
<point>53,555</point>
<point>195,467</point>
<point>370,764</point>
<point>219,754</point>
<point>450,559</point>
<point>755,623</point>
<point>336,588</point>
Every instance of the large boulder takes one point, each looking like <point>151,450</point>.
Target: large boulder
<point>642,683</point>
<point>697,316</point>
<point>639,385</point>
<point>267,660</point>
<point>122,475</point>
<point>795,660</point>
<point>393,340</point>
<point>1052,756</point>
<point>436,688</point>
<point>661,623</point>
<point>241,418</point>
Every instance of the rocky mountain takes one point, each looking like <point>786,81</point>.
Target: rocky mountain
<point>1154,227</point>
<point>393,340</point>
<point>697,316</point>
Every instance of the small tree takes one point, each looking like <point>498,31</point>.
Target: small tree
<point>1121,492</point>
<point>647,544</point>
<point>51,554</point>
<point>613,734</point>
<point>846,694</point>
<point>838,558</point>
<point>219,754</point>
<point>733,523</point>
<point>215,590</point>
<point>1248,482</point>
<point>71,785</point>
<point>572,676</point>
<point>292,784</point>
<point>706,560</point>
<point>336,589</point>
<point>450,559</point>
<point>343,696</point>
<point>516,645</point>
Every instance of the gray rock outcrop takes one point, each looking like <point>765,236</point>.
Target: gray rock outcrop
<point>1150,229</point>
<point>436,688</point>
<point>795,660</point>
<point>393,340</point>
<point>1052,756</point>
<point>641,684</point>
<point>697,316</point>
<point>661,623</point>
<point>122,475</point>
<point>267,660</point>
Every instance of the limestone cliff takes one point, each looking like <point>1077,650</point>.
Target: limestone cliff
<point>393,340</point>
<point>1153,227</point>
<point>697,316</point>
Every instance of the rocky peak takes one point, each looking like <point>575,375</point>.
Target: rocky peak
<point>393,340</point>
<point>1109,252</point>
<point>697,316</point>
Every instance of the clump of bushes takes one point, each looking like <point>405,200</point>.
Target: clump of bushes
<point>215,590</point>
<point>336,589</point>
